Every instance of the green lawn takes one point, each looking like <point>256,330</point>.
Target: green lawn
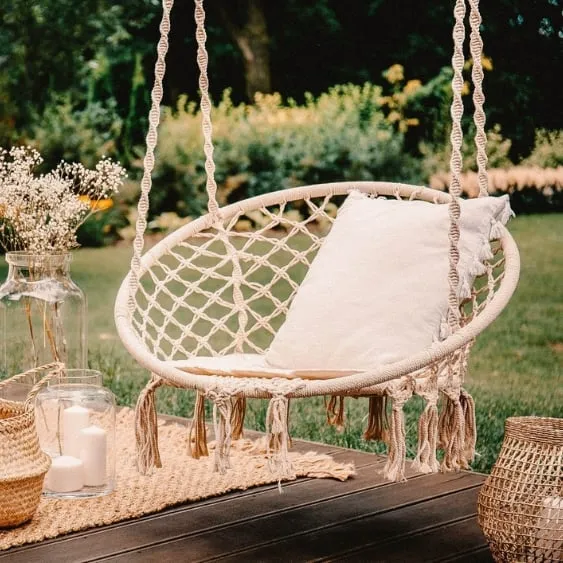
<point>516,367</point>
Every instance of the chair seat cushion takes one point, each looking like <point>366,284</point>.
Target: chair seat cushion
<point>249,365</point>
<point>377,291</point>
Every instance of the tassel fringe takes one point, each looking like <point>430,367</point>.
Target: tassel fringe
<point>396,459</point>
<point>452,431</point>
<point>197,441</point>
<point>277,438</point>
<point>470,437</point>
<point>335,412</point>
<point>237,422</point>
<point>222,416</point>
<point>378,421</point>
<point>146,428</point>
<point>426,460</point>
<point>394,469</point>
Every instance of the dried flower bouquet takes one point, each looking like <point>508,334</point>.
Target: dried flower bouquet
<point>41,213</point>
<point>43,311</point>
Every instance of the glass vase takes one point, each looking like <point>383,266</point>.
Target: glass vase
<point>75,419</point>
<point>42,313</point>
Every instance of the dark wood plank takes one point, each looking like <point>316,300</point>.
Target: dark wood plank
<point>305,530</point>
<point>482,555</point>
<point>377,528</point>
<point>455,539</point>
<point>100,542</point>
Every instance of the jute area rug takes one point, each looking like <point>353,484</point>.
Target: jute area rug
<point>182,479</point>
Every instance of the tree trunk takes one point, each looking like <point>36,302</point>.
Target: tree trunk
<point>253,41</point>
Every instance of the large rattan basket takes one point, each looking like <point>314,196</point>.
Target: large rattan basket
<point>520,504</point>
<point>22,463</point>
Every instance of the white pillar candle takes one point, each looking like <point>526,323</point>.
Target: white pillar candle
<point>75,418</point>
<point>93,452</point>
<point>65,475</point>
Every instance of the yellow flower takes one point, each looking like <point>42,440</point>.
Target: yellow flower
<point>411,87</point>
<point>487,63</point>
<point>395,73</point>
<point>96,204</point>
<point>393,117</point>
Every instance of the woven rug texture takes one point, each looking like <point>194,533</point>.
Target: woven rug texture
<point>181,479</point>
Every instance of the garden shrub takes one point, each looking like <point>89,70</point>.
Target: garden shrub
<point>64,132</point>
<point>531,189</point>
<point>534,186</point>
<point>341,135</point>
<point>436,156</point>
<point>547,151</point>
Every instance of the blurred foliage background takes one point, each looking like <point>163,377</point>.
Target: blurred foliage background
<point>304,92</point>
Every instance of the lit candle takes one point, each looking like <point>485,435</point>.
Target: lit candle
<point>93,452</point>
<point>75,418</point>
<point>65,475</point>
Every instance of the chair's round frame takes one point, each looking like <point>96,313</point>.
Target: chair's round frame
<point>358,383</point>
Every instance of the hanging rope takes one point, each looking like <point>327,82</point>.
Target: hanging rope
<point>476,48</point>
<point>456,163</point>
<point>148,163</point>
<point>205,104</point>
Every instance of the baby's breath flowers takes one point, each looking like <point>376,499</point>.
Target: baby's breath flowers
<point>40,213</point>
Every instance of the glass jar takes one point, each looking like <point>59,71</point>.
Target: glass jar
<point>42,313</point>
<point>75,418</point>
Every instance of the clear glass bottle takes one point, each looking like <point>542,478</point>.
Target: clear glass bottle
<point>42,313</point>
<point>75,419</point>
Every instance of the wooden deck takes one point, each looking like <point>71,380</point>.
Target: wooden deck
<point>428,518</point>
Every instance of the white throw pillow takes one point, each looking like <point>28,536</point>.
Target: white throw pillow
<point>377,291</point>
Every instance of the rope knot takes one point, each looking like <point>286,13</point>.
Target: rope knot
<point>401,391</point>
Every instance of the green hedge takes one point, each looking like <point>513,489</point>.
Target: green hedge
<point>342,135</point>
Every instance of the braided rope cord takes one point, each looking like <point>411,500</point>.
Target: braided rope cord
<point>476,48</point>
<point>211,184</point>
<point>148,163</point>
<point>205,104</point>
<point>456,163</point>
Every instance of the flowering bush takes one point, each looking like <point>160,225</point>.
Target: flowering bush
<point>41,213</point>
<point>343,134</point>
<point>531,189</point>
<point>535,185</point>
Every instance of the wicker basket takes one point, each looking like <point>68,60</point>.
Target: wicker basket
<point>22,463</point>
<point>520,504</point>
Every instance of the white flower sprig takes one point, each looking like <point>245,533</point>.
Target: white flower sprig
<point>41,213</point>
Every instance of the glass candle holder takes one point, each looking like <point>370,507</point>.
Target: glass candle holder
<point>75,418</point>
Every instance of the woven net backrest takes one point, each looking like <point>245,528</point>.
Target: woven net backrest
<point>228,288</point>
<point>187,302</point>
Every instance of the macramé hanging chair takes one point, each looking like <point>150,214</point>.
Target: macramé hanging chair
<point>201,308</point>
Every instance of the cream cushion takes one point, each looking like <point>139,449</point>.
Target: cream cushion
<point>250,365</point>
<point>377,291</point>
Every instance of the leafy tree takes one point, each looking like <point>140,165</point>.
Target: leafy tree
<point>103,51</point>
